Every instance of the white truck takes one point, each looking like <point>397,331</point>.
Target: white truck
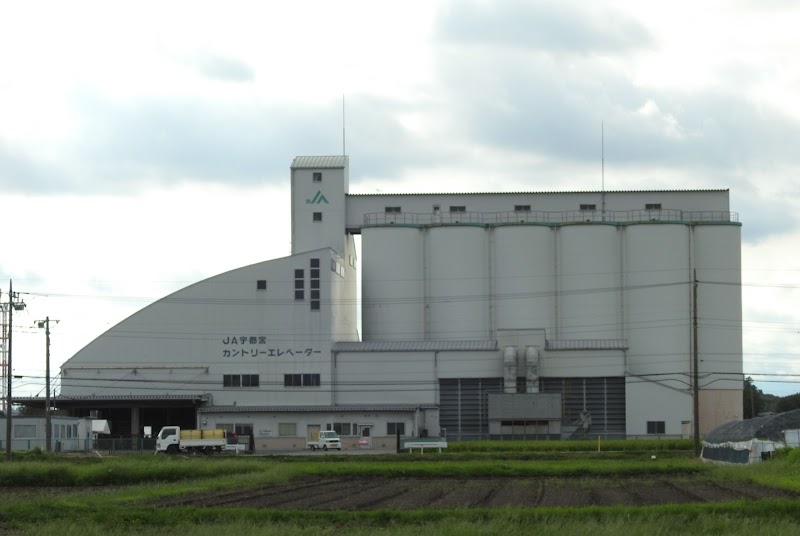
<point>327,439</point>
<point>173,439</point>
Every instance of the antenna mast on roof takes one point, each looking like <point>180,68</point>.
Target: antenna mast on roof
<point>344,147</point>
<point>602,171</point>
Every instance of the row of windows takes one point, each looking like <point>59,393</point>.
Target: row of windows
<point>60,431</point>
<point>314,282</point>
<point>240,380</point>
<point>517,208</point>
<point>289,380</point>
<point>301,380</point>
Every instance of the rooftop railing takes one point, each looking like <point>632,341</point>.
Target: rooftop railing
<point>540,216</point>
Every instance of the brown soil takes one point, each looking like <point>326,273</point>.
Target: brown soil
<point>412,493</point>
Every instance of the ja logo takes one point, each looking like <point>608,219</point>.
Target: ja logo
<point>317,199</point>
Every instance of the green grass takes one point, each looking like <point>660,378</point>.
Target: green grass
<point>50,495</point>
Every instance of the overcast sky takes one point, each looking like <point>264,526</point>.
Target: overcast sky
<point>146,147</point>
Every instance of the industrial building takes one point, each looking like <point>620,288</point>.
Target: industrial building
<point>530,314</point>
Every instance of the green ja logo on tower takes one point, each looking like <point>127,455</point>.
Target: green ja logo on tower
<point>317,199</point>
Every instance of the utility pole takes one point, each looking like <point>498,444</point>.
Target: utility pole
<point>48,427</point>
<point>695,372</point>
<point>19,306</point>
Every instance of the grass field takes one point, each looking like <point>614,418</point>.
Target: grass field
<point>49,495</point>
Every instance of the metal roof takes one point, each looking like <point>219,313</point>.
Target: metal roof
<point>313,409</point>
<point>541,193</point>
<point>62,398</point>
<point>416,346</point>
<point>319,162</point>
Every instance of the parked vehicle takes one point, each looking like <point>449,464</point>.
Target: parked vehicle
<point>172,439</point>
<point>328,439</point>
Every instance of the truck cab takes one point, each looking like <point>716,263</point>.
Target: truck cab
<point>328,439</point>
<point>168,439</point>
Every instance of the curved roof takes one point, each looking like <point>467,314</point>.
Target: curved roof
<point>767,427</point>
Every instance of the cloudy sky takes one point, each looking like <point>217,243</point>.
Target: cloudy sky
<point>146,145</point>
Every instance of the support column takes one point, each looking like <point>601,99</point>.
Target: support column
<point>135,433</point>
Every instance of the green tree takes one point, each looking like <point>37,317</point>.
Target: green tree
<point>753,400</point>
<point>788,403</point>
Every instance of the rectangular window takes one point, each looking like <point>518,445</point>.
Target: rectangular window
<point>292,380</point>
<point>227,381</point>
<point>315,283</point>
<point>652,206</point>
<point>314,273</point>
<point>655,427</point>
<point>25,431</point>
<point>250,380</point>
<point>261,284</point>
<point>299,274</point>
<point>588,207</point>
<point>315,294</point>
<point>299,295</point>
<point>317,216</point>
<point>435,209</point>
<point>342,428</point>
<point>314,305</point>
<point>393,427</point>
<point>458,208</point>
<point>314,263</point>
<point>287,429</point>
<point>299,283</point>
<point>316,176</point>
<point>392,210</point>
<point>522,208</point>
<point>301,380</point>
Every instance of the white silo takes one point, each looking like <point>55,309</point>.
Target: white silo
<point>393,283</point>
<point>458,282</point>
<point>588,282</point>
<point>719,301</point>
<point>658,298</point>
<point>524,277</point>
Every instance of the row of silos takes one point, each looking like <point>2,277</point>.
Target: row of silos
<point>581,281</point>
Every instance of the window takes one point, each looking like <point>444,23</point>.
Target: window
<point>299,283</point>
<point>299,295</point>
<point>317,176</point>
<point>299,274</point>
<point>652,206</point>
<point>292,380</point>
<point>655,427</point>
<point>435,209</point>
<point>522,208</point>
<point>317,216</point>
<point>392,210</point>
<point>459,208</point>
<point>261,284</point>
<point>588,207</point>
<point>250,380</point>
<point>343,428</point>
<point>240,380</point>
<point>24,431</point>
<point>393,428</point>
<point>287,429</point>
<point>315,294</point>
<point>314,283</point>
<point>301,380</point>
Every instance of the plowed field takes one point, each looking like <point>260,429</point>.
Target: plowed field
<point>414,493</point>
